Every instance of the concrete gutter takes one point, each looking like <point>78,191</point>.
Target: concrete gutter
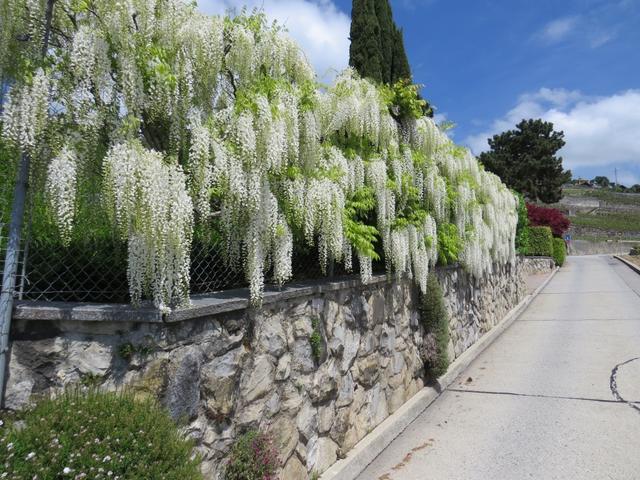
<point>633,267</point>
<point>379,438</point>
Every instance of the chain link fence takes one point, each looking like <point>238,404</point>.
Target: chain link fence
<point>93,266</point>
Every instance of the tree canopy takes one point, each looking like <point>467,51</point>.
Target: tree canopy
<point>602,181</point>
<point>525,159</point>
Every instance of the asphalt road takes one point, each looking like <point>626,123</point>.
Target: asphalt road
<point>557,396</point>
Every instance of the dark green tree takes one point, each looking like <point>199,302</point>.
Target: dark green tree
<point>525,159</point>
<point>400,68</point>
<point>602,181</point>
<point>385,21</point>
<point>365,54</point>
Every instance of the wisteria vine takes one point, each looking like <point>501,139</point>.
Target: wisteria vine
<point>200,116</point>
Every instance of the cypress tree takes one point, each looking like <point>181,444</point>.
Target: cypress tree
<point>377,45</point>
<point>365,54</point>
<point>400,68</point>
<point>385,20</point>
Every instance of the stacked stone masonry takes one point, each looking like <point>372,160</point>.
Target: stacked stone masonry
<point>535,265</point>
<point>243,369</point>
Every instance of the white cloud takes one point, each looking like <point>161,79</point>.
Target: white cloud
<point>593,29</point>
<point>321,29</point>
<point>599,131</point>
<point>557,30</point>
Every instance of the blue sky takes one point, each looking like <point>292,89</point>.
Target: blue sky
<point>488,64</point>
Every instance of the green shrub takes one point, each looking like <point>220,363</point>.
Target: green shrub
<point>522,230</point>
<point>559,251</point>
<point>449,244</point>
<point>635,250</point>
<point>94,434</point>
<point>435,322</point>
<point>540,242</point>
<point>253,457</point>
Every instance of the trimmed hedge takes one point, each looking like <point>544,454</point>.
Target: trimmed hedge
<point>559,251</point>
<point>522,230</point>
<point>540,242</point>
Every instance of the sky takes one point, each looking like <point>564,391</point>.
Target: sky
<point>487,64</point>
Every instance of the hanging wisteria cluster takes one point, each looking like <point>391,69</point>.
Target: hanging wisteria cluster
<point>190,117</point>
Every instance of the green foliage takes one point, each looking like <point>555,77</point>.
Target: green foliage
<point>449,244</point>
<point>403,99</point>
<point>525,159</point>
<point>92,433</point>
<point>316,341</point>
<point>559,251</point>
<point>522,230</point>
<point>635,250</point>
<point>540,242</point>
<point>128,350</point>
<point>363,237</point>
<point>435,322</point>
<point>252,457</point>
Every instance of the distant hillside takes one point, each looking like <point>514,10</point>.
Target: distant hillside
<point>601,215</point>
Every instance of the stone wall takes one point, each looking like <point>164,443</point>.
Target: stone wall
<point>226,368</point>
<point>476,305</point>
<point>612,247</point>
<point>535,265</point>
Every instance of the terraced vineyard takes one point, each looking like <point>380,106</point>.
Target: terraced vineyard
<point>601,218</point>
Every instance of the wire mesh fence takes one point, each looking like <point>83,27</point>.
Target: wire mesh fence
<point>93,268</point>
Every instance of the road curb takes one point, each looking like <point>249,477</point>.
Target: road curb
<point>628,264</point>
<point>366,451</point>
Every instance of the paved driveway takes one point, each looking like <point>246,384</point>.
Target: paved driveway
<point>557,396</point>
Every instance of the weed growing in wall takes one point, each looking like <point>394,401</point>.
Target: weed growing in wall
<point>253,457</point>
<point>435,321</point>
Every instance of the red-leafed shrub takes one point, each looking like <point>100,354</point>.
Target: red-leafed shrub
<point>548,217</point>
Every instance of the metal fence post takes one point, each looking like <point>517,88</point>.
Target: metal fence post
<point>15,232</point>
<point>11,267</point>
